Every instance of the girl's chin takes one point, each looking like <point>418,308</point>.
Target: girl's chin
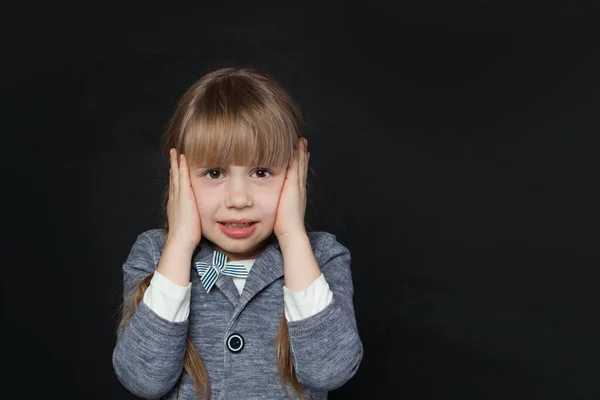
<point>240,248</point>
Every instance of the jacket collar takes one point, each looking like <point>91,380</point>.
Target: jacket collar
<point>267,268</point>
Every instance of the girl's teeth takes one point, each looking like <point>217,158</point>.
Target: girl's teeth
<point>238,225</point>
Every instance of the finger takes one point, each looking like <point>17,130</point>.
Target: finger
<point>292,170</point>
<point>171,188</point>
<point>174,185</point>
<point>184,172</point>
<point>304,172</point>
<point>302,162</point>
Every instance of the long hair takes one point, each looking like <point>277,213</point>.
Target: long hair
<point>231,116</point>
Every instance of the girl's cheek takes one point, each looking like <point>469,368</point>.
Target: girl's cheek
<point>205,198</point>
<point>270,203</point>
<point>205,202</point>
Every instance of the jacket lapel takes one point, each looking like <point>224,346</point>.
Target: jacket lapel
<point>267,268</point>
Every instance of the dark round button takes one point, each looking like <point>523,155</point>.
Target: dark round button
<point>235,342</point>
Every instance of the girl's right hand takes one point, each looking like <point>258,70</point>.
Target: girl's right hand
<point>182,209</point>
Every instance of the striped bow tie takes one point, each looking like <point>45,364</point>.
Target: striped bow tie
<point>210,272</point>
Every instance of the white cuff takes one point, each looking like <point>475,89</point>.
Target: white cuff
<point>168,299</point>
<point>307,302</point>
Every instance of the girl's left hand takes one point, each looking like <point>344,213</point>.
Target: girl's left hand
<point>292,201</point>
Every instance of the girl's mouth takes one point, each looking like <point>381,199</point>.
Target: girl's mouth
<point>237,230</point>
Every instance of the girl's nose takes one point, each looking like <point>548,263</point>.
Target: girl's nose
<point>237,195</point>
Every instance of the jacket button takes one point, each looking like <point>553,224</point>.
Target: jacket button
<point>235,342</point>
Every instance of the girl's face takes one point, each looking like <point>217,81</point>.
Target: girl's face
<point>224,195</point>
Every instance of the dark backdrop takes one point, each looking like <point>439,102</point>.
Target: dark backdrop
<point>454,151</point>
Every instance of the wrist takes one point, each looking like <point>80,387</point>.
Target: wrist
<point>174,263</point>
<point>292,237</point>
<point>180,246</point>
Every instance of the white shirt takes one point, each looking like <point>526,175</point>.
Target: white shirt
<point>172,301</point>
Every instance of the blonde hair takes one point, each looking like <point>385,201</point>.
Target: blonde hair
<point>230,116</point>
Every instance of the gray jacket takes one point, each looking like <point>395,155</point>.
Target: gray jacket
<point>326,347</point>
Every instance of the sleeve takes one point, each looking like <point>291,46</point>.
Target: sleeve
<point>167,299</point>
<point>326,347</point>
<point>149,352</point>
<point>307,302</point>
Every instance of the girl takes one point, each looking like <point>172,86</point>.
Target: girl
<point>234,299</point>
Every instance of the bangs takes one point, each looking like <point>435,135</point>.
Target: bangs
<point>223,142</point>
<point>223,131</point>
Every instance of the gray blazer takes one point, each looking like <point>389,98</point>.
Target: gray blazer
<point>326,347</point>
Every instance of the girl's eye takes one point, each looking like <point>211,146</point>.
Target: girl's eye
<point>262,173</point>
<point>213,174</point>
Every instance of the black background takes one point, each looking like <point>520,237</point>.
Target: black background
<point>453,150</point>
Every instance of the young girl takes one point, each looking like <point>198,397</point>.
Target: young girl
<point>234,299</point>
